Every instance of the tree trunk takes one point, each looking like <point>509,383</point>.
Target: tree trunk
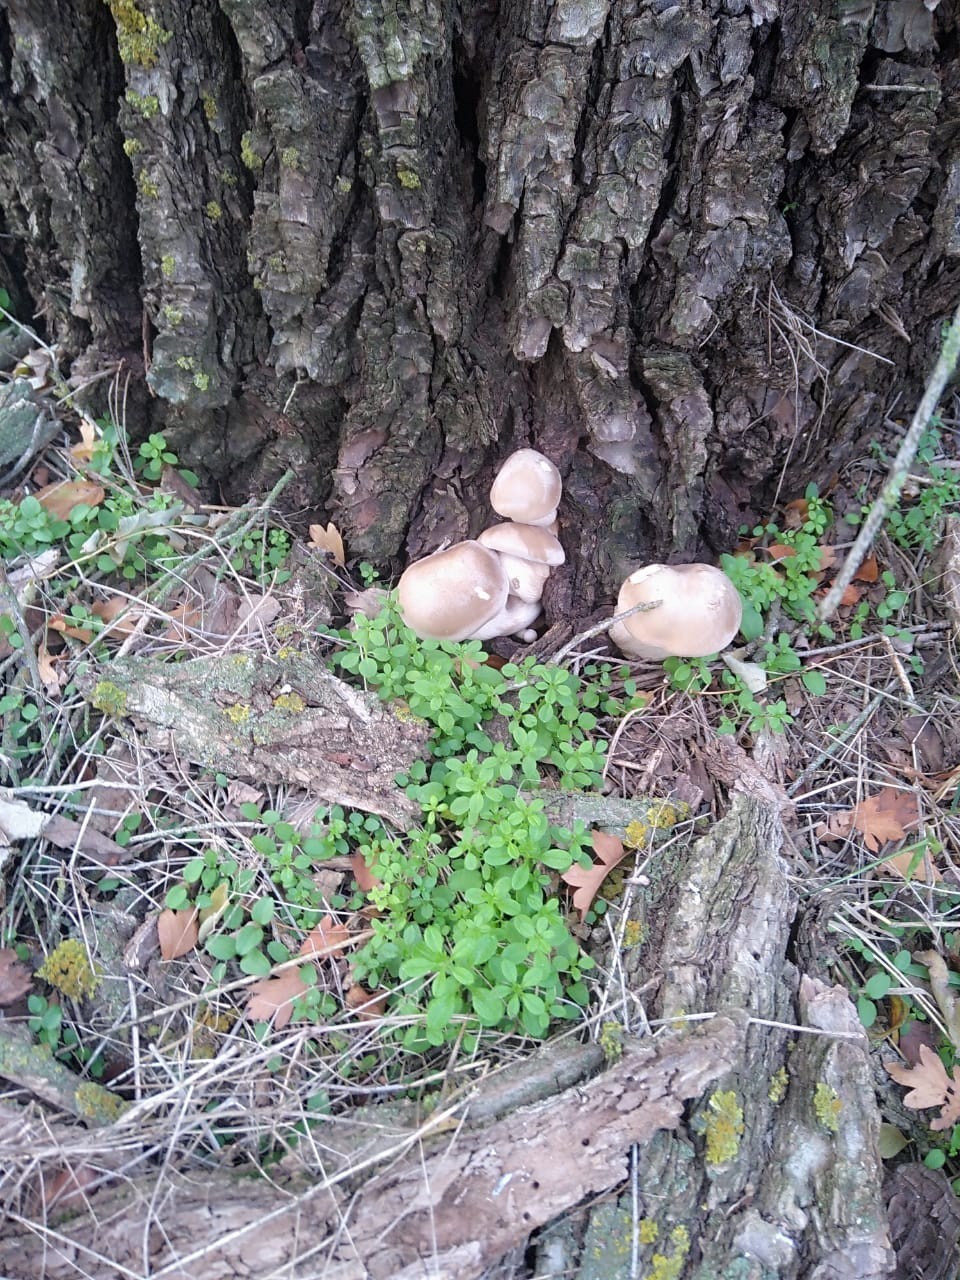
<point>386,243</point>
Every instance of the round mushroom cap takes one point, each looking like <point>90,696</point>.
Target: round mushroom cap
<point>527,553</point>
<point>699,613</point>
<point>450,594</point>
<point>527,488</point>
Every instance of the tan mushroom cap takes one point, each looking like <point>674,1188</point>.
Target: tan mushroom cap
<point>527,488</point>
<point>700,612</point>
<point>451,594</point>
<point>527,553</point>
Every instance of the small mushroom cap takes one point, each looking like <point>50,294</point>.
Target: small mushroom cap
<point>515,616</point>
<point>527,488</point>
<point>699,614</point>
<point>527,554</point>
<point>525,541</point>
<point>450,594</point>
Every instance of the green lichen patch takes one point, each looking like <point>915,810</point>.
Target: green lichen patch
<point>289,702</point>
<point>167,265</point>
<point>109,698</point>
<point>139,38</point>
<point>778,1085</point>
<point>145,104</point>
<point>214,212</point>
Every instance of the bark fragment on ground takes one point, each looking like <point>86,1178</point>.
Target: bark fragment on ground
<point>456,1202</point>
<point>279,719</point>
<point>772,1164</point>
<point>798,1191</point>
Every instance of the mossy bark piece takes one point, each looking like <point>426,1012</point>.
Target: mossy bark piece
<point>777,1172</point>
<point>468,1196</point>
<point>33,1067</point>
<point>284,719</point>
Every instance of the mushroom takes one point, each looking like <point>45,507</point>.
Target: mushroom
<point>527,488</point>
<point>515,618</point>
<point>527,553</point>
<point>452,594</point>
<point>699,612</point>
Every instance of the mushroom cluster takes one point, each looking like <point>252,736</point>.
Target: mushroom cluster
<point>699,612</point>
<point>492,586</point>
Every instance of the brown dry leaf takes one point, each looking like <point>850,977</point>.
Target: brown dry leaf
<point>372,1004</point>
<point>780,551</point>
<point>828,557</point>
<point>587,880</point>
<point>59,499</point>
<point>364,877</point>
<point>869,571</point>
<point>66,628</point>
<point>82,451</point>
<point>851,595</point>
<point>122,617</point>
<point>930,1086</point>
<point>178,932</point>
<point>15,978</point>
<point>329,540</point>
<point>369,602</point>
<point>913,865</point>
<point>66,1189</point>
<point>943,993</point>
<point>886,815</point>
<point>273,997</point>
<point>47,671</point>
<point>242,793</point>
<point>325,939</point>
<point>795,513</point>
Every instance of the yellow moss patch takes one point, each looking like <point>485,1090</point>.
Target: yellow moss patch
<point>238,713</point>
<point>778,1085</point>
<point>69,968</point>
<point>98,1103</point>
<point>138,37</point>
<point>109,699</point>
<point>289,702</point>
<point>722,1126</point>
<point>826,1105</point>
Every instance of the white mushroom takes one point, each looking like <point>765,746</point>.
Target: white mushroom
<point>527,553</point>
<point>513,619</point>
<point>699,613</point>
<point>451,594</point>
<point>527,488</point>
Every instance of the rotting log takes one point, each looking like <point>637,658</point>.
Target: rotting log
<point>796,1194</point>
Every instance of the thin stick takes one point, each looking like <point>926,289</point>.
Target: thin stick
<point>889,495</point>
<point>598,628</point>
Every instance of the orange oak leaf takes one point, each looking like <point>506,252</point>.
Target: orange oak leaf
<point>587,880</point>
<point>886,815</point>
<point>273,997</point>
<point>178,932</point>
<point>930,1086</point>
<point>370,1004</point>
<point>325,939</point>
<point>59,499</point>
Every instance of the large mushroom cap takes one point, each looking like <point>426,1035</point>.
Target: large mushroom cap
<point>700,612</point>
<point>527,488</point>
<point>451,594</point>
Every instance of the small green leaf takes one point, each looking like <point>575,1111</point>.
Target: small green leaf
<point>814,682</point>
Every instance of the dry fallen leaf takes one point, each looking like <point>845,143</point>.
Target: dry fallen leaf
<point>943,993</point>
<point>587,880</point>
<point>930,1086</point>
<point>325,939</point>
<point>82,451</point>
<point>59,499</point>
<point>328,540</point>
<point>178,932</point>
<point>364,877</point>
<point>886,815</point>
<point>59,623</point>
<point>15,978</point>
<point>371,1004</point>
<point>273,997</point>
<point>369,602</point>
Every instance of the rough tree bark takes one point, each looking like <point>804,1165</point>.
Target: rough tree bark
<point>385,242</point>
